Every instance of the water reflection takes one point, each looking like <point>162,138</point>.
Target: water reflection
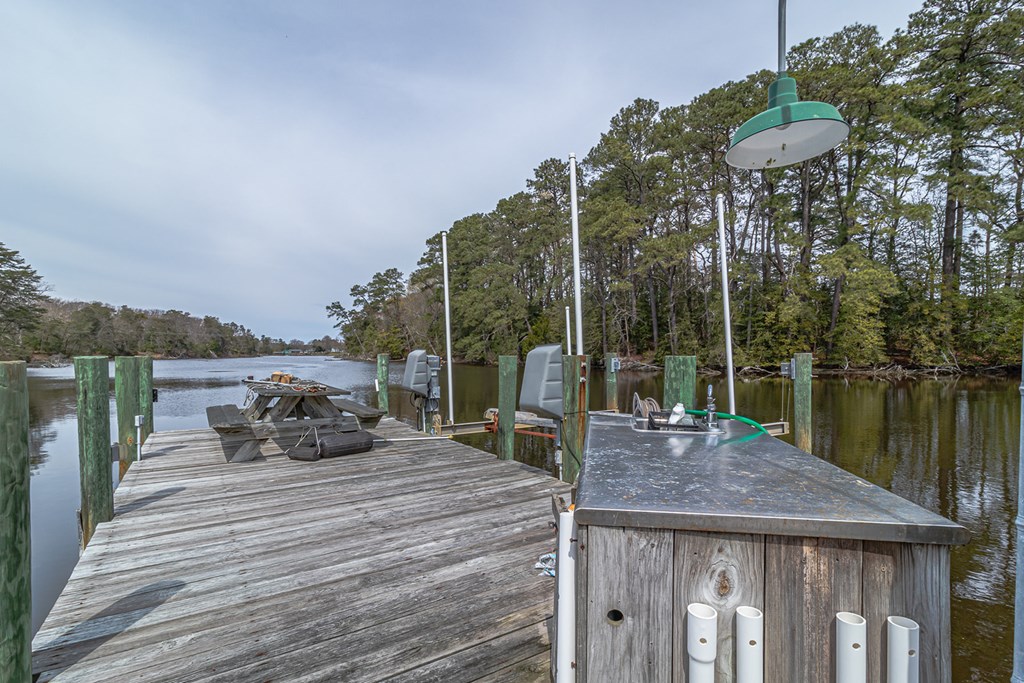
<point>948,445</point>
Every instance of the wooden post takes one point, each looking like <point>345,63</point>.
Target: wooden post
<point>126,393</point>
<point>575,401</point>
<point>802,364</point>
<point>92,377</point>
<point>680,382</point>
<point>146,396</point>
<point>611,382</point>
<point>507,366</point>
<point>15,530</point>
<point>382,382</point>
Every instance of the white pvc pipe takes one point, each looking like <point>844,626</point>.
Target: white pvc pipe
<point>701,641</point>
<point>576,255</point>
<point>902,650</point>
<point>851,648</point>
<point>568,333</point>
<point>139,420</point>
<point>749,645</point>
<point>725,305</point>
<point>565,573</point>
<point>448,327</point>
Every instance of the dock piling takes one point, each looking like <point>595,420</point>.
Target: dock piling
<point>382,382</point>
<point>680,381</point>
<point>506,406</point>
<point>611,382</point>
<point>92,380</point>
<point>802,366</point>
<point>575,402</point>
<point>126,393</point>
<point>146,397</point>
<point>15,529</point>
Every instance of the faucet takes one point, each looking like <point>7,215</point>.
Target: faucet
<point>711,418</point>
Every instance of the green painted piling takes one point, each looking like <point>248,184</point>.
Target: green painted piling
<point>15,530</point>
<point>680,382</point>
<point>126,393</point>
<point>382,382</point>
<point>92,380</point>
<point>611,383</point>
<point>507,367</point>
<point>575,400</point>
<point>146,396</point>
<point>802,436</point>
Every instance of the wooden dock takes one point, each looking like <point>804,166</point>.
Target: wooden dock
<point>412,562</point>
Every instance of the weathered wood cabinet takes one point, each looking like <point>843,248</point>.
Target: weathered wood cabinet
<point>744,519</point>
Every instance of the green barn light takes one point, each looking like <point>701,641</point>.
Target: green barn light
<point>789,131</point>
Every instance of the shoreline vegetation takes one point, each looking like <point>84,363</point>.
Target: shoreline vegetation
<point>888,371</point>
<point>897,253</point>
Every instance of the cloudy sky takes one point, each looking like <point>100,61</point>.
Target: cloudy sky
<point>254,160</point>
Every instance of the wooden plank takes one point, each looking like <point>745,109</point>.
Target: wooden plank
<point>92,381</point>
<point>15,528</point>
<point>611,383</point>
<point>724,571</point>
<point>282,409</point>
<point>878,589</point>
<point>680,382</point>
<point>807,580</point>
<point>126,393</point>
<point>507,366</point>
<point>803,436</point>
<point>146,395</point>
<point>582,584</point>
<point>255,410</point>
<point>575,404</point>
<point>375,583</point>
<point>909,580</point>
<point>629,619</point>
<point>382,382</point>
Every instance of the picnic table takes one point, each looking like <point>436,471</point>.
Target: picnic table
<point>276,401</point>
<point>292,411</point>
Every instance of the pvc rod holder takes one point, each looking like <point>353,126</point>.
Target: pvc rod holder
<point>749,645</point>
<point>851,648</point>
<point>903,650</point>
<point>701,641</point>
<point>565,576</point>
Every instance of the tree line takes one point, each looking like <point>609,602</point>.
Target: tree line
<point>901,245</point>
<point>33,323</point>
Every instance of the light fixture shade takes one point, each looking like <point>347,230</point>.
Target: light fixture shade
<point>789,132</point>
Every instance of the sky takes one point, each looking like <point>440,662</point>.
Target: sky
<point>254,160</point>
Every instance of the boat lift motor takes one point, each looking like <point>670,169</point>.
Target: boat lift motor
<point>421,380</point>
<point>542,389</point>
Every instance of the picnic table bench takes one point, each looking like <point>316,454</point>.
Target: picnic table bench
<point>270,415</point>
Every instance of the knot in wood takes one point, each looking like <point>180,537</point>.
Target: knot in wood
<point>724,583</point>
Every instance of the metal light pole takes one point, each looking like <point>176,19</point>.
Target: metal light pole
<point>448,327</point>
<point>576,255</point>
<point>725,304</point>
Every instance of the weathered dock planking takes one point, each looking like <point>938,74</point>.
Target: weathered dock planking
<point>413,562</point>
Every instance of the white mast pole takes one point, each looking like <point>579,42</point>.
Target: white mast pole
<point>725,305</point>
<point>448,327</point>
<point>568,333</point>
<point>576,255</point>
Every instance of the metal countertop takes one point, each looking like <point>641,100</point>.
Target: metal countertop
<point>738,482</point>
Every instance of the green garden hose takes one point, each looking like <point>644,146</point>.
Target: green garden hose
<point>727,416</point>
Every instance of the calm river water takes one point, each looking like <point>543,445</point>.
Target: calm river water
<point>948,445</point>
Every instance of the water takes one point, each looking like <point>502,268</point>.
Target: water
<point>948,445</point>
